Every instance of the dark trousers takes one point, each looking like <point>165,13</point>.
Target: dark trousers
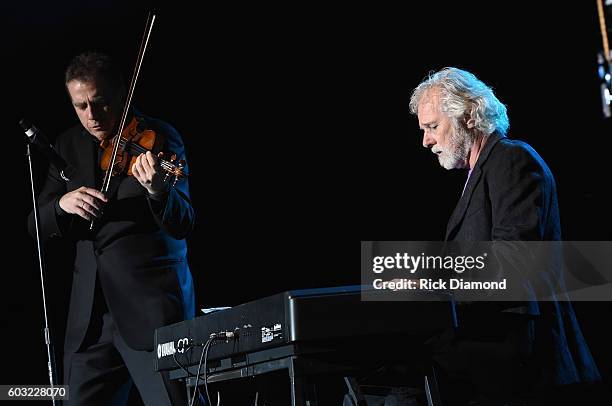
<point>104,368</point>
<point>486,362</point>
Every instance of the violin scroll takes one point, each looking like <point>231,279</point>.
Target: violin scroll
<point>173,167</point>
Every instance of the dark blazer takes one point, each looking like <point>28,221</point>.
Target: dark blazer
<point>511,196</point>
<point>137,250</point>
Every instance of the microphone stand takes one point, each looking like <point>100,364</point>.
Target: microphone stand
<point>48,341</point>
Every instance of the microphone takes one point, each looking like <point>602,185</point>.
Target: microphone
<point>36,137</point>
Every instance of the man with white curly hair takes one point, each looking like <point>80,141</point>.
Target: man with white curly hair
<point>501,349</point>
<point>457,112</point>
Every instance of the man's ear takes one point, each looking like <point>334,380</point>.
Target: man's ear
<point>470,122</point>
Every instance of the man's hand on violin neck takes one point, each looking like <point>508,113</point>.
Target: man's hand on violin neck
<point>84,202</point>
<point>147,171</point>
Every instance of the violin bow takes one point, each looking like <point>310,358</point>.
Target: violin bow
<point>143,48</point>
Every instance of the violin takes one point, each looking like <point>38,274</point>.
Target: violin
<point>136,139</point>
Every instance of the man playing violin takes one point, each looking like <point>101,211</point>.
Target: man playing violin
<point>130,271</point>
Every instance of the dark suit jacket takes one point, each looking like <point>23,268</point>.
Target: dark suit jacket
<point>137,250</point>
<point>511,196</point>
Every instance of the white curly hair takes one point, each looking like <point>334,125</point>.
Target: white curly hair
<point>463,93</point>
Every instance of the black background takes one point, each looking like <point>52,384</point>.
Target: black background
<point>299,140</point>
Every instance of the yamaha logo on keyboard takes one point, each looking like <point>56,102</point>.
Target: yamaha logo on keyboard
<point>270,333</point>
<point>166,349</point>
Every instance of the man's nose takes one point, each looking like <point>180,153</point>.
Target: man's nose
<point>428,140</point>
<point>89,112</point>
<point>92,113</point>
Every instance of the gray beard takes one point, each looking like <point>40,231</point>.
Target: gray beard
<point>456,157</point>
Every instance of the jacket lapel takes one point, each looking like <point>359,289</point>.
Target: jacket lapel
<point>464,201</point>
<point>88,161</point>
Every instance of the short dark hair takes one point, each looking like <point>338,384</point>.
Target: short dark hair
<point>90,65</point>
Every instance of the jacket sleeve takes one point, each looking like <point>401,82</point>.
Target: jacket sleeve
<point>523,200</point>
<point>173,210</point>
<point>52,223</point>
